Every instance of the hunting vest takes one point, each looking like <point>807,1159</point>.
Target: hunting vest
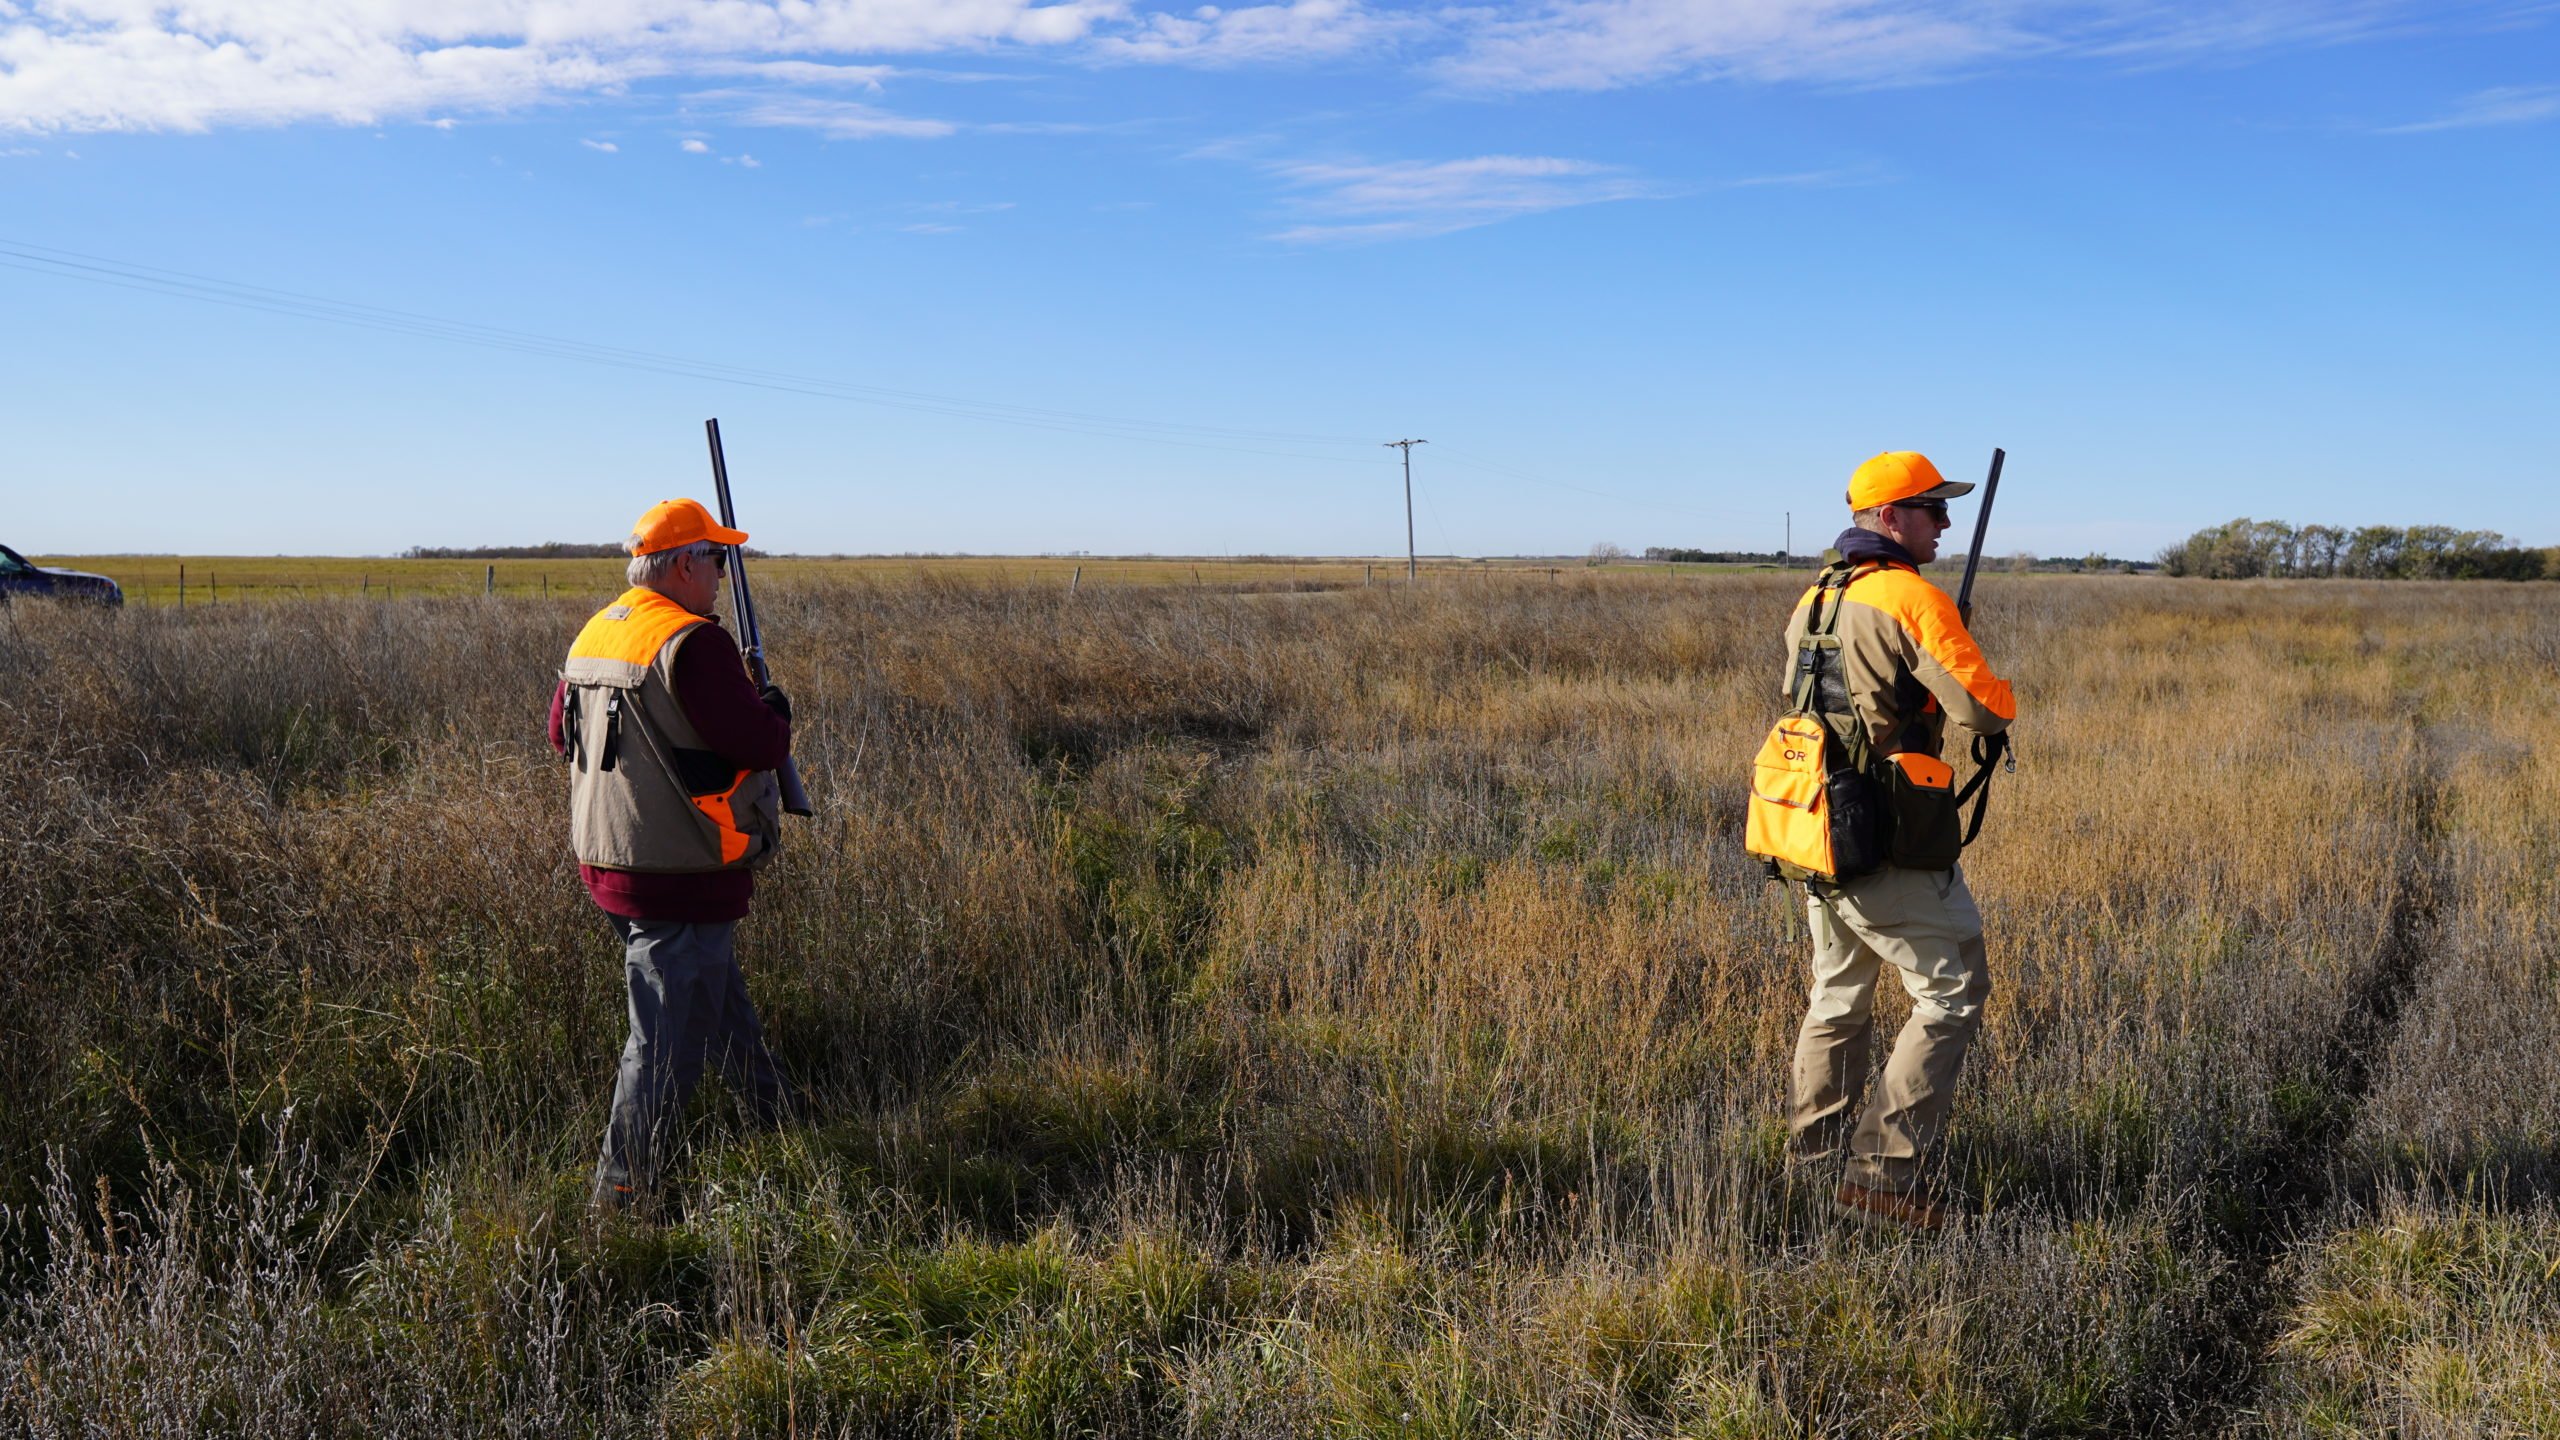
<point>644,792</point>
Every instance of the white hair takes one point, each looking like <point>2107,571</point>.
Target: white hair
<point>649,569</point>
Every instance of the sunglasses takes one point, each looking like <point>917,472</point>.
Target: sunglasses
<point>1934,509</point>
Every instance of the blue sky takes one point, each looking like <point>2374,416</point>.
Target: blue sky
<point>1103,276</point>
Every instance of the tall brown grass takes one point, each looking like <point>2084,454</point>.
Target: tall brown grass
<point>1268,1014</point>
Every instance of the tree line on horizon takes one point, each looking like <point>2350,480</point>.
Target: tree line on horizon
<point>2247,549</point>
<point>2015,562</point>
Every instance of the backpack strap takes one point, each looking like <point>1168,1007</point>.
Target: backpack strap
<point>1821,630</point>
<point>1822,638</point>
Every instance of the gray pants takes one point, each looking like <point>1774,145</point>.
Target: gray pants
<point>1924,924</point>
<point>688,1002</point>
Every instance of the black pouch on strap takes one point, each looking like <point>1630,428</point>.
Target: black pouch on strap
<point>1862,823</point>
<point>1928,830</point>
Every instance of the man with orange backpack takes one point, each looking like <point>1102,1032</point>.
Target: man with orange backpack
<point>1851,798</point>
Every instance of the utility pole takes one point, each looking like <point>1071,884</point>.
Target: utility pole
<point>1407,447</point>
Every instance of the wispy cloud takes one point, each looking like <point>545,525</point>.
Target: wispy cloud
<point>1248,34</point>
<point>2504,105</point>
<point>1364,203</point>
<point>1604,44</point>
<point>835,119</point>
<point>606,146</point>
<point>695,147</point>
<point>873,78</point>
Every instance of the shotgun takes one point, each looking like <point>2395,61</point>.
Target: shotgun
<point>795,799</point>
<point>1987,749</point>
<point>1972,559</point>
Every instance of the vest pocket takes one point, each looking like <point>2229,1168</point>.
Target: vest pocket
<point>703,772</point>
<point>1928,830</point>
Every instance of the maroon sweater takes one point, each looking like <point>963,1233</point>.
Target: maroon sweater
<point>712,685</point>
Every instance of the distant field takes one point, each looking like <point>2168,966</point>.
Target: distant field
<point>231,579</point>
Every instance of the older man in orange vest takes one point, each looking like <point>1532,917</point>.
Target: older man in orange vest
<point>672,806</point>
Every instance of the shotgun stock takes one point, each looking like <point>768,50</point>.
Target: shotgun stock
<point>795,799</point>
<point>1972,559</point>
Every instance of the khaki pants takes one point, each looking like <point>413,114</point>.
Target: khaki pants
<point>1925,923</point>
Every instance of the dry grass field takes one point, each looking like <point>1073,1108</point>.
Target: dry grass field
<point>1238,1013</point>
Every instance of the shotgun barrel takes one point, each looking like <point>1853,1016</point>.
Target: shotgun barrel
<point>1972,559</point>
<point>795,798</point>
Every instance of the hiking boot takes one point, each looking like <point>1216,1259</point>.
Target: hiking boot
<point>1911,1212</point>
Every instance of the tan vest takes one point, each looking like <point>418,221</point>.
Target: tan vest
<point>644,792</point>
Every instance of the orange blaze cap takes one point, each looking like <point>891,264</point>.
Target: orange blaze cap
<point>671,523</point>
<point>1901,475</point>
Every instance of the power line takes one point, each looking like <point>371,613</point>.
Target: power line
<point>104,271</point>
<point>1410,567</point>
<point>179,284</point>
<point>1522,475</point>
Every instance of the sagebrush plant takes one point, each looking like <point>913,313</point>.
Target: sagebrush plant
<point>1270,1014</point>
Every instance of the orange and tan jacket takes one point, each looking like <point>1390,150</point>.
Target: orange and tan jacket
<point>1908,662</point>
<point>645,793</point>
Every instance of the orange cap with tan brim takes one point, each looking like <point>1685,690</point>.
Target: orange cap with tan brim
<point>1901,475</point>
<point>671,523</point>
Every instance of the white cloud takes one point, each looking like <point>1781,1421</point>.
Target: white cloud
<point>606,146</point>
<point>2504,105</point>
<point>82,65</point>
<point>74,65</point>
<point>694,147</point>
<point>1407,199</point>
<point>929,228</point>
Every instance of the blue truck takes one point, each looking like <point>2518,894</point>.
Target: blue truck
<point>20,577</point>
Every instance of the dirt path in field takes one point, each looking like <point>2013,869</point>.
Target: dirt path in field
<point>2296,1178</point>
